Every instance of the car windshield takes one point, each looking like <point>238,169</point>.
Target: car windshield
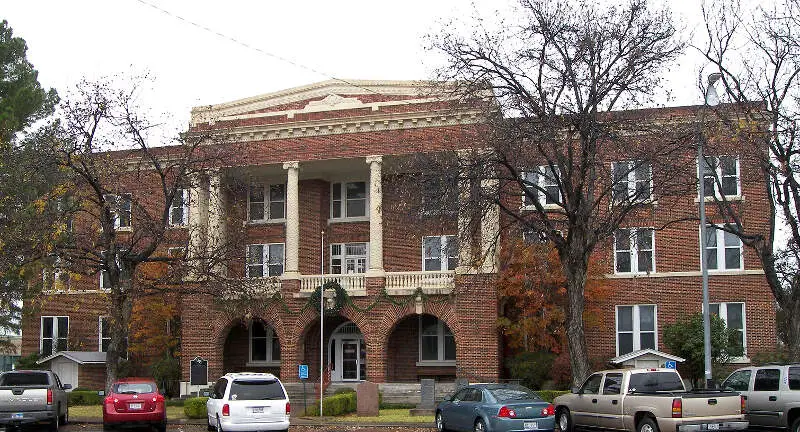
<point>134,388</point>
<point>512,392</point>
<point>24,379</point>
<point>256,390</point>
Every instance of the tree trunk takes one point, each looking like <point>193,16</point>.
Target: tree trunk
<point>575,268</point>
<point>792,310</point>
<point>119,319</point>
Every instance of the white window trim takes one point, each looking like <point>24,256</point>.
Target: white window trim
<point>634,252</point>
<point>270,335</point>
<point>344,217</point>
<point>264,260</point>
<point>100,333</point>
<point>266,203</point>
<point>54,336</point>
<point>720,251</point>
<point>103,271</point>
<point>344,256</point>
<point>636,330</point>
<point>116,213</point>
<point>443,258</point>
<point>723,313</point>
<point>440,361</point>
<point>718,178</point>
<point>185,219</point>
<point>631,181</point>
<point>540,195</point>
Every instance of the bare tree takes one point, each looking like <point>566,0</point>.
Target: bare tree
<point>549,81</point>
<point>127,186</point>
<point>758,54</point>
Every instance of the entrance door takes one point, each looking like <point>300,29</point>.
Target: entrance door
<point>350,360</point>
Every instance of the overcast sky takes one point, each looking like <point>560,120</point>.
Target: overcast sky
<point>190,66</point>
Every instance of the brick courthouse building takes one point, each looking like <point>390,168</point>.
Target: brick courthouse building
<point>316,205</point>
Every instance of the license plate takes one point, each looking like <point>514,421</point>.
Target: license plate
<point>530,425</point>
<point>135,406</point>
<point>16,416</point>
<point>713,426</point>
<point>258,410</point>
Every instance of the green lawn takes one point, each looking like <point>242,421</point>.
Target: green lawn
<point>385,416</point>
<point>96,412</point>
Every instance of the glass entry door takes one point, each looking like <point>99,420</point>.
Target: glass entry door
<point>350,360</point>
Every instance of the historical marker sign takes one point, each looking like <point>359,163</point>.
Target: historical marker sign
<point>198,371</point>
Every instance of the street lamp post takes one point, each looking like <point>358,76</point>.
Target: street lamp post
<point>709,99</point>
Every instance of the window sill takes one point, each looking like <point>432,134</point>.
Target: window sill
<point>436,363</point>
<point>546,207</point>
<point>124,229</point>
<point>348,219</point>
<point>727,198</point>
<point>267,222</point>
<point>263,363</point>
<point>739,360</point>
<point>633,274</point>
<point>177,226</point>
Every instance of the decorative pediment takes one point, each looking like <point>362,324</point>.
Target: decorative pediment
<point>331,102</point>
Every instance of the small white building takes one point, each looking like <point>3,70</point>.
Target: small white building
<point>645,358</point>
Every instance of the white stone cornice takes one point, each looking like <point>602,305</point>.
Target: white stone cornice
<point>291,165</point>
<point>374,159</point>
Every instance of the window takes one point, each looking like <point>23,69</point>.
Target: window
<point>105,279</point>
<point>179,208</point>
<point>57,276</point>
<point>633,181</point>
<point>264,344</point>
<point>120,207</point>
<point>348,258</point>
<point>636,328</point>
<point>592,384</point>
<point>265,260</point>
<point>348,200</point>
<point>723,250</point>
<point>612,384</point>
<point>104,336</point>
<point>767,380</point>
<point>267,202</point>
<point>733,315</point>
<point>54,333</point>
<point>738,381</point>
<point>439,253</point>
<point>721,176</point>
<point>436,342</point>
<point>543,185</point>
<point>531,236</point>
<point>633,250</point>
<point>438,195</point>
<point>794,378</point>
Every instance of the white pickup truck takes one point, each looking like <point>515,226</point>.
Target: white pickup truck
<point>32,397</point>
<point>647,400</point>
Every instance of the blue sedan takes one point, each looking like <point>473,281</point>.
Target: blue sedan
<point>495,408</point>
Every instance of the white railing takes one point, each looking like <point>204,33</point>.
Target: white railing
<point>352,283</point>
<point>429,281</point>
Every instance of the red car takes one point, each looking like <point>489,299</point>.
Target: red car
<point>134,402</point>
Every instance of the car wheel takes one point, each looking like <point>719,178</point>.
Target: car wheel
<point>211,427</point>
<point>161,427</point>
<point>440,422</point>
<point>795,425</point>
<point>219,425</point>
<point>480,426</point>
<point>107,427</point>
<point>56,423</point>
<point>65,417</point>
<point>647,424</point>
<point>564,420</point>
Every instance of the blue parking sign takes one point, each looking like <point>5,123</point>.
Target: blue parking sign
<point>670,364</point>
<point>302,370</point>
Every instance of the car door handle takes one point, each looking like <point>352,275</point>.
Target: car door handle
<point>773,398</point>
<point>614,402</point>
<point>594,400</point>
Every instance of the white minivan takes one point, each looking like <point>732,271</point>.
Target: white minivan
<point>248,402</point>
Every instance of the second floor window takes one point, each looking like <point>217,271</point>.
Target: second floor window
<point>633,250</point>
<point>348,258</point>
<point>348,200</point>
<point>723,250</point>
<point>179,208</point>
<point>633,181</point>
<point>54,333</point>
<point>542,186</point>
<point>721,176</point>
<point>120,206</point>
<point>265,260</point>
<point>636,328</point>
<point>439,253</point>
<point>267,202</point>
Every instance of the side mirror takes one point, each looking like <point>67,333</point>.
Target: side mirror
<point>66,386</point>
<point>575,390</point>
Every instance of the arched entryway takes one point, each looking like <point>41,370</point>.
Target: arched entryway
<point>252,348</point>
<point>421,346</point>
<point>347,353</point>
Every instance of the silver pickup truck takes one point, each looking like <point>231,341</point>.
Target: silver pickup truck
<point>32,397</point>
<point>647,400</point>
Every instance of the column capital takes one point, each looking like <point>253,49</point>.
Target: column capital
<point>374,159</point>
<point>291,165</point>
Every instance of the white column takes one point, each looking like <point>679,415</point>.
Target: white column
<point>195,247</point>
<point>490,229</point>
<point>464,235</point>
<point>375,216</point>
<point>216,220</point>
<point>292,247</point>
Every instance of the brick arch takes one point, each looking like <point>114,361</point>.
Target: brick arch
<point>445,311</point>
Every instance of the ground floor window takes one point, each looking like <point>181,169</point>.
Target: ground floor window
<point>54,333</point>
<point>436,341</point>
<point>7,362</point>
<point>636,328</point>
<point>264,344</point>
<point>733,315</point>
